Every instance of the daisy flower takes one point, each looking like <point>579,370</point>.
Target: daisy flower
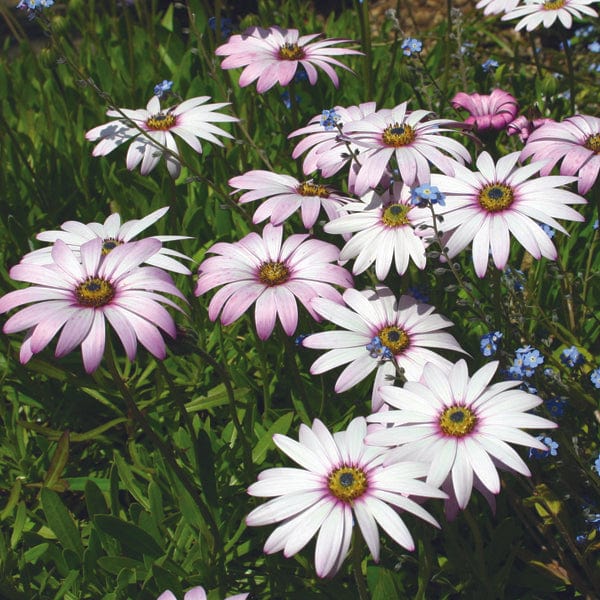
<point>263,270</point>
<point>485,207</point>
<point>341,482</point>
<point>384,230</point>
<point>273,55</point>
<point>575,141</point>
<point>113,234</point>
<point>285,195</point>
<point>545,12</point>
<point>494,111</point>
<point>327,150</point>
<point>79,293</point>
<point>404,135</point>
<point>197,593</point>
<point>380,333</point>
<point>191,121</point>
<point>495,7</point>
<point>462,426</point>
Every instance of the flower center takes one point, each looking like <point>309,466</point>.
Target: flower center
<point>273,273</point>
<point>347,483</point>
<point>109,244</point>
<point>496,197</point>
<point>94,292</point>
<point>291,52</point>
<point>398,135</point>
<point>457,421</point>
<point>308,188</point>
<point>554,4</point>
<point>396,215</point>
<point>593,143</point>
<point>161,122</point>
<point>394,338</point>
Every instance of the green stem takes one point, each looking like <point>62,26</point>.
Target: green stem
<point>359,578</point>
<point>570,70</point>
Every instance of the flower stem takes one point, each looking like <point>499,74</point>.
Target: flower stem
<point>570,71</point>
<point>359,578</point>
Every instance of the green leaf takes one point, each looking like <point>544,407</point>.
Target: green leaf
<point>134,540</point>
<point>114,564</point>
<point>57,464</point>
<point>282,425</point>
<point>94,499</point>
<point>130,482</point>
<point>60,521</point>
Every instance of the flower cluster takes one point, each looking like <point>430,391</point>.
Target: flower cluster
<point>489,343</point>
<point>525,362</point>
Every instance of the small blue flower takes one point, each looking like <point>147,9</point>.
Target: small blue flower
<point>595,377</point>
<point>597,465</point>
<point>516,369</point>
<point>531,360</point>
<point>378,350</point>
<point>594,47</point>
<point>514,278</point>
<point>285,98</point>
<point>551,445</point>
<point>425,194</point>
<point>581,538</point>
<point>411,46</point>
<point>528,388</point>
<point>329,119</point>
<point>301,74</point>
<point>33,6</point>
<point>226,26</point>
<point>547,230</point>
<point>419,293</point>
<point>572,357</point>
<point>596,224</point>
<point>556,406</point>
<point>300,338</point>
<point>489,65</point>
<point>163,88</point>
<point>489,343</point>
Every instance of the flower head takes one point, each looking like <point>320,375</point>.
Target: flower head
<point>407,328</point>
<point>329,119</point>
<point>597,465</point>
<point>489,343</point>
<point>34,5</point>
<point>425,195</point>
<point>411,46</point>
<point>545,12</point>
<point>572,357</point>
<point>556,407</point>
<point>341,482</point>
<point>489,65</point>
<point>550,448</point>
<point>595,378</point>
<point>285,195</point>
<point>263,270</point>
<point>112,234</point>
<point>384,231</point>
<point>487,112</point>
<point>272,56</point>
<point>79,293</point>
<point>163,88</point>
<point>197,593</point>
<point>461,425</point>
<point>575,141</point>
<point>485,207</point>
<point>191,120</point>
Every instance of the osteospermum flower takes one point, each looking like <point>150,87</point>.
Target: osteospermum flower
<point>485,207</point>
<point>263,270</point>
<point>341,482</point>
<point>151,132</point>
<point>384,231</point>
<point>76,295</point>
<point>575,141</point>
<point>112,234</point>
<point>272,56</point>
<point>462,426</point>
<point>545,12</point>
<point>493,111</point>
<point>404,135</point>
<point>197,593</point>
<point>380,333</point>
<point>285,195</point>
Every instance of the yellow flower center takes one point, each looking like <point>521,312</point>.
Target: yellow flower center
<point>398,135</point>
<point>347,483</point>
<point>161,122</point>
<point>396,215</point>
<point>554,4</point>
<point>94,292</point>
<point>273,273</point>
<point>109,244</point>
<point>394,338</point>
<point>457,421</point>
<point>308,188</point>
<point>495,197</point>
<point>291,52</point>
<point>593,143</point>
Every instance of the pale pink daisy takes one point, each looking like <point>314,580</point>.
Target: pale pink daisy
<point>342,481</point>
<point>495,7</point>
<point>326,149</point>
<point>405,136</point>
<point>384,229</point>
<point>78,294</point>
<point>493,111</point>
<point>151,131</point>
<point>380,333</point>
<point>113,234</point>
<point>263,270</point>
<point>523,127</point>
<point>272,56</point>
<point>461,426</point>
<point>545,12</point>
<point>485,207</point>
<point>285,195</point>
<point>197,593</point>
<point>575,141</point>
